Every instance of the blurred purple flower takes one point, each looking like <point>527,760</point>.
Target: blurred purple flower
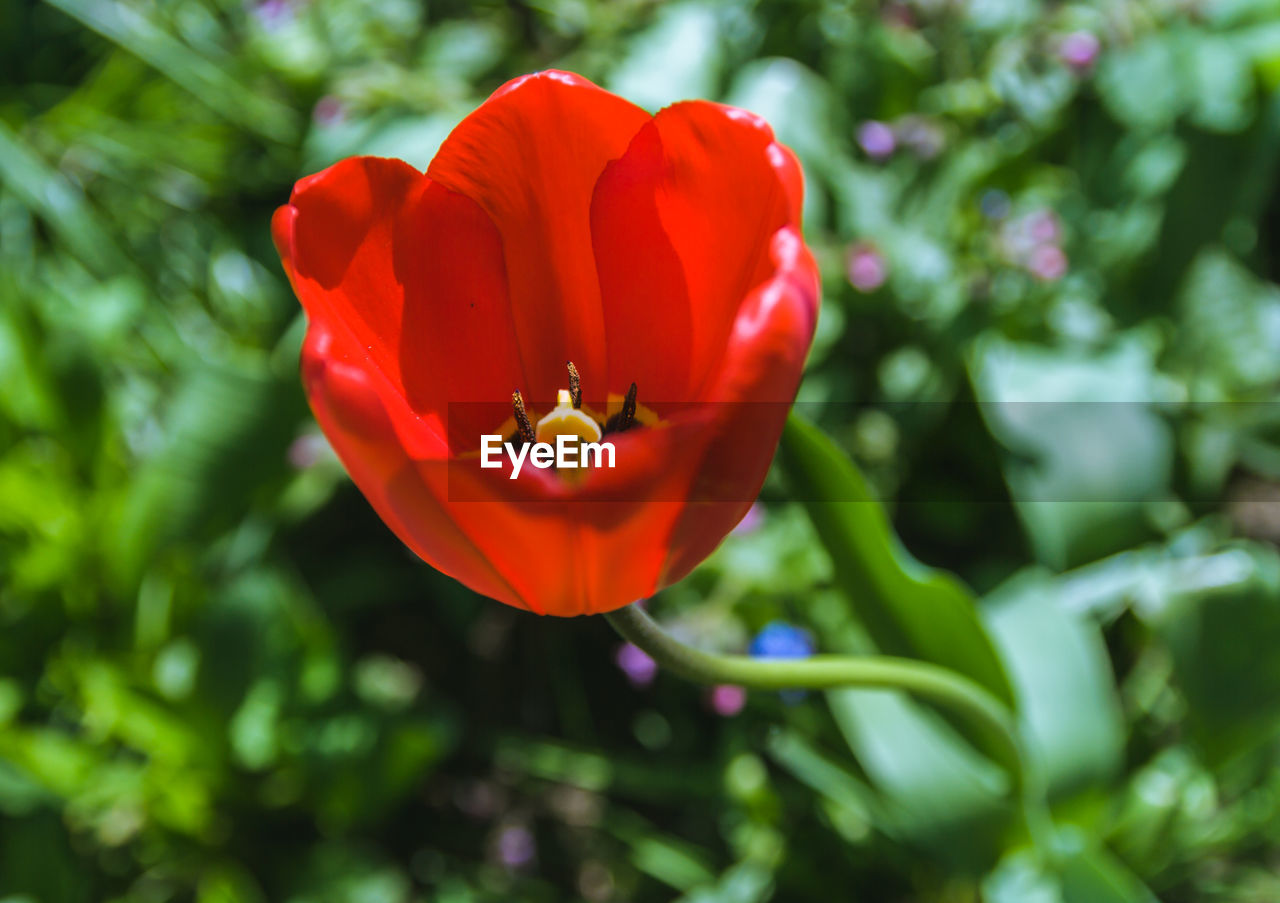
<point>1047,263</point>
<point>751,521</point>
<point>1034,241</point>
<point>922,136</point>
<point>328,110</point>
<point>727,700</point>
<point>866,267</point>
<point>876,139</point>
<point>636,664</point>
<point>1079,50</point>
<point>306,450</point>
<point>516,847</point>
<point>272,13</point>
<point>1043,227</point>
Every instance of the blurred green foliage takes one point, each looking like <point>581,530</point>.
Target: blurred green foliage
<point>222,680</point>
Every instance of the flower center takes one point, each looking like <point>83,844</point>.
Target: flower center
<point>569,418</point>
<point>566,419</point>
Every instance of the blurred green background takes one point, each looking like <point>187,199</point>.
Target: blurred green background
<point>222,679</point>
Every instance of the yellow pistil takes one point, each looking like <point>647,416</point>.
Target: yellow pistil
<point>565,419</point>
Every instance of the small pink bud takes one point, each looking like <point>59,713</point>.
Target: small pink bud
<point>1079,50</point>
<point>636,664</point>
<point>866,267</point>
<point>751,521</point>
<point>273,13</point>
<point>727,700</point>
<point>328,110</point>
<point>1047,263</point>
<point>1043,227</point>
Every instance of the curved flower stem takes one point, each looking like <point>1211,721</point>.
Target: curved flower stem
<point>830,672</point>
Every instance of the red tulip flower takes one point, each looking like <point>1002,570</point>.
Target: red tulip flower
<point>558,222</point>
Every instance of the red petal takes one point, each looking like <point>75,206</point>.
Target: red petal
<point>412,276</point>
<point>458,345</point>
<point>360,415</point>
<point>571,557</point>
<point>682,225</point>
<point>531,156</point>
<point>579,547</point>
<point>340,255</point>
<point>752,395</point>
<point>648,314</point>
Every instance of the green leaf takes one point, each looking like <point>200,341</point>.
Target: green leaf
<point>935,789</point>
<point>209,81</point>
<point>1095,876</point>
<point>908,608</point>
<point>1141,85</point>
<point>1232,327</point>
<point>1223,642</point>
<point>841,789</point>
<point>1223,82</point>
<point>1067,701</point>
<point>939,790</point>
<point>61,204</point>
<point>677,58</point>
<point>225,434</point>
<point>1087,451</point>
<point>1082,875</point>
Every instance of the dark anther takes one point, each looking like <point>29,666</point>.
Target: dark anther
<point>523,426</point>
<point>629,409</point>
<point>575,385</point>
<point>626,418</point>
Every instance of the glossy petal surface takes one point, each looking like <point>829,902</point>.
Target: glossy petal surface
<point>530,157</point>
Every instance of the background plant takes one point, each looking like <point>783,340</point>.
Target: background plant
<point>222,679</point>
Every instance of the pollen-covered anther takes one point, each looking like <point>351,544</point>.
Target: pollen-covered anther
<point>523,426</point>
<point>575,385</point>
<point>626,418</point>
<point>570,418</point>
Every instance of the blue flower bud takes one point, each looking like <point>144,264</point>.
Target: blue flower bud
<point>779,639</point>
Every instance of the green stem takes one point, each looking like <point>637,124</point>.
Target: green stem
<point>829,672</point>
